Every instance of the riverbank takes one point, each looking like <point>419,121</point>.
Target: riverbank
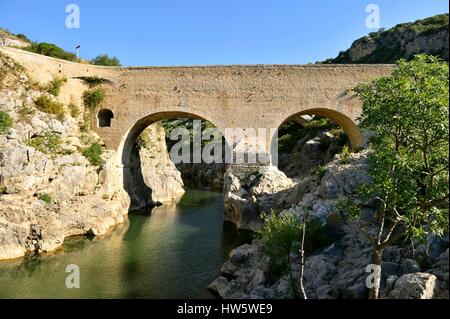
<point>174,251</point>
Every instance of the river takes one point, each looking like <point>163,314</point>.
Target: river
<point>174,251</point>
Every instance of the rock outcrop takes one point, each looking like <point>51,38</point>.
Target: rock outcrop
<point>429,36</point>
<point>159,172</point>
<point>337,270</point>
<point>153,176</point>
<point>414,286</point>
<point>250,191</point>
<point>49,190</point>
<point>8,39</point>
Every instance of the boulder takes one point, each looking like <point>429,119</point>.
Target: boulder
<point>414,286</point>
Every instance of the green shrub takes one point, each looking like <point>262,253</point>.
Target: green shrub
<point>6,122</point>
<point>281,234</point>
<point>93,153</point>
<point>54,86</point>
<point>278,236</point>
<point>51,50</point>
<point>47,143</point>
<point>104,59</point>
<point>47,105</point>
<point>319,171</point>
<point>3,190</point>
<point>93,98</point>
<point>45,198</point>
<point>94,80</point>
<point>23,37</point>
<point>345,155</point>
<point>74,110</point>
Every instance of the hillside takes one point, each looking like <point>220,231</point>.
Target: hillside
<point>405,40</point>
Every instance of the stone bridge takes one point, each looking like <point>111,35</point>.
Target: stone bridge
<point>231,96</point>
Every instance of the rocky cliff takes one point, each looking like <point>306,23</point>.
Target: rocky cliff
<point>154,178</point>
<point>55,179</point>
<point>49,190</point>
<point>335,268</point>
<point>405,40</point>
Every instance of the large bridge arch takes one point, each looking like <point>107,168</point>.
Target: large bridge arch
<point>130,136</point>
<point>347,124</point>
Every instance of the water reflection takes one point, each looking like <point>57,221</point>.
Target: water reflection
<point>174,251</point>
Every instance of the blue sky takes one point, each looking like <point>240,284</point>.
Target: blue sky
<point>176,32</point>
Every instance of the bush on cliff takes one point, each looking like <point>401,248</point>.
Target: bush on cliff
<point>46,198</point>
<point>47,143</point>
<point>6,122</point>
<point>54,86</point>
<point>51,50</point>
<point>93,98</point>
<point>47,105</point>
<point>281,234</point>
<point>105,60</point>
<point>278,235</point>
<point>94,153</point>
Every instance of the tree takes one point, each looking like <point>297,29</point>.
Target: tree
<point>105,60</point>
<point>408,112</point>
<point>51,50</point>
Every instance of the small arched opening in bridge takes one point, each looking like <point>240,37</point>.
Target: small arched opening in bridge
<point>104,118</point>
<point>307,140</point>
<point>148,149</point>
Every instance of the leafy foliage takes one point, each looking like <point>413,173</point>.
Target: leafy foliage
<point>105,60</point>
<point>47,105</point>
<point>51,50</point>
<point>45,198</point>
<point>278,235</point>
<point>47,143</point>
<point>23,37</point>
<point>54,86</point>
<point>3,190</point>
<point>94,80</point>
<point>6,122</point>
<point>345,155</point>
<point>281,233</point>
<point>409,114</point>
<point>74,110</point>
<point>92,98</point>
<point>93,153</point>
<point>319,171</point>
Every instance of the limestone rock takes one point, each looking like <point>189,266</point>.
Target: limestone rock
<point>24,169</point>
<point>249,191</point>
<point>154,177</point>
<point>414,286</point>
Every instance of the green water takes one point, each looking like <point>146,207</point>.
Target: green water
<point>173,252</point>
